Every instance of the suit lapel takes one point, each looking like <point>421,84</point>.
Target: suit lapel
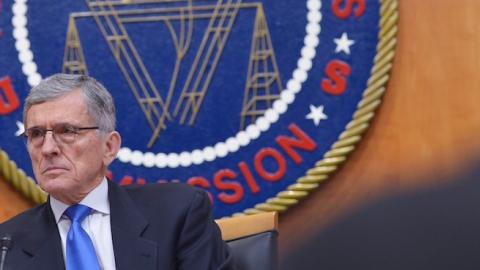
<point>131,250</point>
<point>42,245</point>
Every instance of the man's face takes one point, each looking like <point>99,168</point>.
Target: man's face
<point>69,171</point>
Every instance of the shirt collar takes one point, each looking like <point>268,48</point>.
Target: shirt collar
<point>97,199</point>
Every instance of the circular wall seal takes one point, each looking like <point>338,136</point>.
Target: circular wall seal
<point>256,102</point>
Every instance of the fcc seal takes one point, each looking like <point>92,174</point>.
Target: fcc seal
<point>255,101</point>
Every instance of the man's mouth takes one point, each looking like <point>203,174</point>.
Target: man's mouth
<point>53,169</point>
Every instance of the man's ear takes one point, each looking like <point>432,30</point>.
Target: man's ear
<point>112,146</point>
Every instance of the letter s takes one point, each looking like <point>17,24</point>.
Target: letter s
<point>347,10</point>
<point>336,83</point>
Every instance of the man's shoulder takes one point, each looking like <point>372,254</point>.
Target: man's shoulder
<point>166,193</point>
<point>22,220</point>
<point>165,189</point>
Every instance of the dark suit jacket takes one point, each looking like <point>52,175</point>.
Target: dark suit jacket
<point>164,226</point>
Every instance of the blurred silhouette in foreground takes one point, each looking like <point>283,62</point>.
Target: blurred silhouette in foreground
<point>438,228</point>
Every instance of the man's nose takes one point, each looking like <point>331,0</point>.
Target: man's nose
<point>49,146</point>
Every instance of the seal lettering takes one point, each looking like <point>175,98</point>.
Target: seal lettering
<point>8,98</point>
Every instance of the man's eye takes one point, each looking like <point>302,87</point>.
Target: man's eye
<point>35,133</point>
<point>66,129</point>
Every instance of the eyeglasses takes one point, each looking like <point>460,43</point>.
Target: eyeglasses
<point>62,133</point>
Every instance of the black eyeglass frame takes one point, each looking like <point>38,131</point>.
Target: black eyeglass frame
<point>72,128</point>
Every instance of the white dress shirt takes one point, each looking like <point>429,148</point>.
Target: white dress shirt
<point>97,224</point>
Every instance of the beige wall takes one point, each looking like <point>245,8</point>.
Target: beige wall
<point>429,122</point>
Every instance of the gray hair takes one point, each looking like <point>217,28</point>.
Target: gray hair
<point>97,98</point>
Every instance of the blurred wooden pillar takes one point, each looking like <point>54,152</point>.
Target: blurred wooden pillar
<point>427,126</point>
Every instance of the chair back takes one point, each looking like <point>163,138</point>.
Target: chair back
<point>252,240</point>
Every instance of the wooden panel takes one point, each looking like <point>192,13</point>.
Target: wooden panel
<point>427,126</point>
<point>241,226</point>
<point>11,202</point>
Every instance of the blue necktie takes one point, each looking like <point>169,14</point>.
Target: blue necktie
<point>80,251</point>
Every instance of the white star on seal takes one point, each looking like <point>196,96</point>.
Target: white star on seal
<point>343,43</point>
<point>316,114</point>
<point>21,129</point>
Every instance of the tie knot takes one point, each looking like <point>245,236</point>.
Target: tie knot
<point>77,212</point>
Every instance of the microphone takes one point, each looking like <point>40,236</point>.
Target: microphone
<point>6,243</point>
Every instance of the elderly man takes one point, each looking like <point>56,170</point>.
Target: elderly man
<point>89,222</point>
